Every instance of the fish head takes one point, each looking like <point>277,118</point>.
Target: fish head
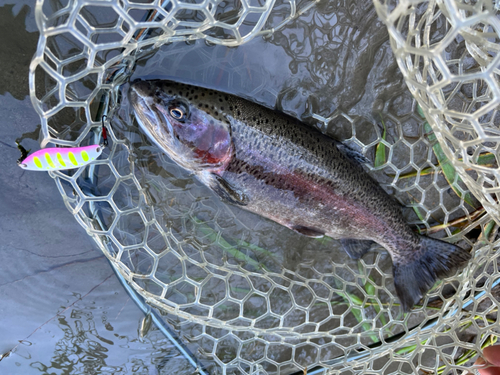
<point>192,133</point>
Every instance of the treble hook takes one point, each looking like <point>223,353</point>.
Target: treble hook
<point>24,153</point>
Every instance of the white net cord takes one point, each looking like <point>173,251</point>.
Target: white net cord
<point>246,296</point>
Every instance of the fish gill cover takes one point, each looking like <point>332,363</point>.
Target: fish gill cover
<point>245,295</point>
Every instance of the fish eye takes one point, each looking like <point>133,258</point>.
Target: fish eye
<point>177,113</point>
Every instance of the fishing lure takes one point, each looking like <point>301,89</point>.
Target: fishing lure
<point>58,158</point>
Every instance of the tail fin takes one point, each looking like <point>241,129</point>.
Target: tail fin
<point>434,260</point>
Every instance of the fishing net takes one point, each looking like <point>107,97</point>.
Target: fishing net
<point>245,295</point>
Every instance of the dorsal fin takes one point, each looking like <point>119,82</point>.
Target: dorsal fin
<point>352,154</point>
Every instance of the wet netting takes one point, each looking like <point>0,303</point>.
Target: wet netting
<point>246,295</point>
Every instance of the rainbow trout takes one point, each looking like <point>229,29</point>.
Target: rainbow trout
<point>275,166</point>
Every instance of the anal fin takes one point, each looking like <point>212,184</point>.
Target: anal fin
<point>307,231</point>
<point>356,248</point>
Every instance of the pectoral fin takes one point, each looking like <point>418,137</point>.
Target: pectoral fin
<point>227,192</point>
<point>356,248</point>
<point>306,231</point>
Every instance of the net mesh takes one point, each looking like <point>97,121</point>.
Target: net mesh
<point>247,296</point>
<point>448,55</point>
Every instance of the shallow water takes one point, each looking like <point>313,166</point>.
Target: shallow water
<point>62,309</point>
<point>351,73</point>
<point>333,61</point>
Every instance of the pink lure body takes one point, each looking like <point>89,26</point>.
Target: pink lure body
<point>59,158</point>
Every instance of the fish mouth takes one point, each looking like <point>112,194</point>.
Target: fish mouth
<point>141,89</point>
<point>152,117</point>
<point>141,96</point>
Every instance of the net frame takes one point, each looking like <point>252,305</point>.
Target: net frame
<point>110,72</point>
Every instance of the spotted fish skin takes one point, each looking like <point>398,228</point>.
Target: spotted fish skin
<point>274,165</point>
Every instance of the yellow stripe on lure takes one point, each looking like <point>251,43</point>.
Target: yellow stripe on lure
<point>57,158</point>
